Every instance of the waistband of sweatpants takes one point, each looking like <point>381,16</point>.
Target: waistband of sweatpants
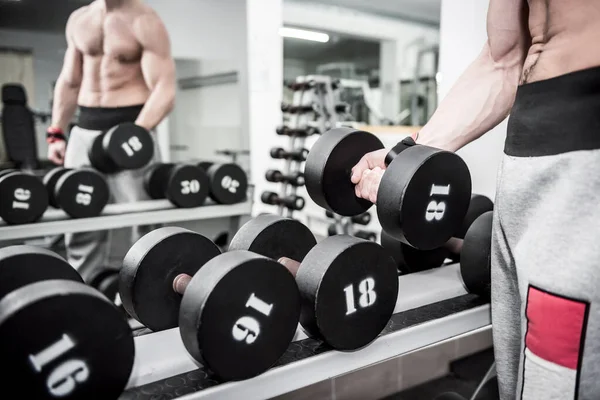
<point>104,118</point>
<point>556,115</point>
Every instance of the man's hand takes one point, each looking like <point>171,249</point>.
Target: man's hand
<point>367,173</point>
<point>368,161</point>
<point>56,152</point>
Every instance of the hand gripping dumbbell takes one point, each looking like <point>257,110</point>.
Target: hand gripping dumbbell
<point>411,260</point>
<point>61,338</point>
<point>125,146</point>
<point>292,202</point>
<point>297,155</point>
<point>80,193</point>
<point>302,131</point>
<point>349,286</point>
<point>295,179</point>
<point>183,185</point>
<point>237,315</point>
<point>228,182</point>
<point>23,197</point>
<point>423,196</point>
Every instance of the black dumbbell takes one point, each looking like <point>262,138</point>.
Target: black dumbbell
<point>297,132</point>
<point>475,256</point>
<point>80,193</point>
<point>361,219</point>
<point>60,336</point>
<point>183,185</point>
<point>342,108</point>
<point>411,260</point>
<point>423,196</point>
<point>349,286</point>
<point>367,235</point>
<point>295,179</point>
<point>301,109</point>
<point>125,146</point>
<point>295,86</point>
<point>23,197</point>
<point>296,155</point>
<point>237,315</point>
<point>228,182</point>
<point>106,280</point>
<point>292,202</point>
<point>332,230</point>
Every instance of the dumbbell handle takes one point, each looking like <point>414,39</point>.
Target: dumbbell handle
<point>454,245</point>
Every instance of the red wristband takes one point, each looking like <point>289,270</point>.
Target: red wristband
<point>55,134</point>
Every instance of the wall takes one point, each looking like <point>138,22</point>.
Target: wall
<point>463,33</point>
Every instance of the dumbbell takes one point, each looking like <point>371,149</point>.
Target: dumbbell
<point>295,86</point>
<point>80,193</point>
<point>342,108</point>
<point>106,281</point>
<point>411,260</point>
<point>23,197</point>
<point>423,196</point>
<point>295,179</point>
<point>349,286</point>
<point>183,185</point>
<point>124,146</point>
<point>367,235</point>
<point>301,109</point>
<point>303,131</point>
<point>360,219</point>
<point>237,315</point>
<point>228,182</point>
<point>59,336</point>
<point>296,155</point>
<point>475,256</point>
<point>292,202</point>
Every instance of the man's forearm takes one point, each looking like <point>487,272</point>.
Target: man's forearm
<point>65,104</point>
<point>480,99</point>
<point>158,106</point>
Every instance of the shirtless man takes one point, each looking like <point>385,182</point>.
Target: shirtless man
<point>117,68</point>
<point>541,64</point>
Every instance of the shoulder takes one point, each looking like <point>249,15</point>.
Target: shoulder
<point>75,17</point>
<point>150,29</point>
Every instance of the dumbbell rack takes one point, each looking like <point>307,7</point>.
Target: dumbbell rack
<point>347,225</point>
<point>55,222</point>
<point>322,93</point>
<point>432,307</point>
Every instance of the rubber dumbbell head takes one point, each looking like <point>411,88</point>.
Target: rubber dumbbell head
<point>367,235</point>
<point>423,195</point>
<point>184,185</point>
<point>479,205</point>
<point>475,256</point>
<point>296,155</point>
<point>23,198</point>
<point>125,146</point>
<point>292,202</point>
<point>81,193</point>
<point>408,259</point>
<point>362,219</point>
<point>228,182</point>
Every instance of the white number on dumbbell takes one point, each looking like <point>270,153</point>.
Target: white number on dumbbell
<point>21,197</point>
<point>435,211</point>
<point>188,187</point>
<point>84,196</point>
<point>228,183</point>
<point>367,297</point>
<point>247,328</point>
<point>64,378</point>
<point>132,146</point>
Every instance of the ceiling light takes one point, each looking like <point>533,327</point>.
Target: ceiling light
<point>304,34</point>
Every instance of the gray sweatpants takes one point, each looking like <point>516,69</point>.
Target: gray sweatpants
<point>87,251</point>
<point>546,250</point>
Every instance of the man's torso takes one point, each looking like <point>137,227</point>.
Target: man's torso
<point>112,73</point>
<point>564,35</point>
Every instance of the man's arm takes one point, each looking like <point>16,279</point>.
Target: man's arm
<point>484,94</point>
<point>66,90</point>
<point>158,68</point>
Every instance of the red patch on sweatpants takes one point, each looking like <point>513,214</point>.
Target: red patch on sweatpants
<point>554,327</point>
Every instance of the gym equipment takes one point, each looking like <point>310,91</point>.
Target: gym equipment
<point>23,197</point>
<point>59,336</point>
<point>80,193</point>
<point>411,260</point>
<point>349,286</point>
<point>151,265</point>
<point>237,315</point>
<point>228,182</point>
<point>360,219</point>
<point>295,86</point>
<point>295,179</point>
<point>475,256</point>
<point>302,131</point>
<point>301,109</point>
<point>106,281</point>
<point>125,146</point>
<point>184,185</point>
<point>292,202</point>
<point>296,155</point>
<point>423,196</point>
<point>367,235</point>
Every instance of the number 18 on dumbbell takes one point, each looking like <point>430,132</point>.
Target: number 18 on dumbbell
<point>423,196</point>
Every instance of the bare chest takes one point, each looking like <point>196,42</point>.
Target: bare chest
<point>107,35</point>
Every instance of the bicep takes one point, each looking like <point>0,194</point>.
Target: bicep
<point>72,70</point>
<point>507,29</point>
<point>157,63</point>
